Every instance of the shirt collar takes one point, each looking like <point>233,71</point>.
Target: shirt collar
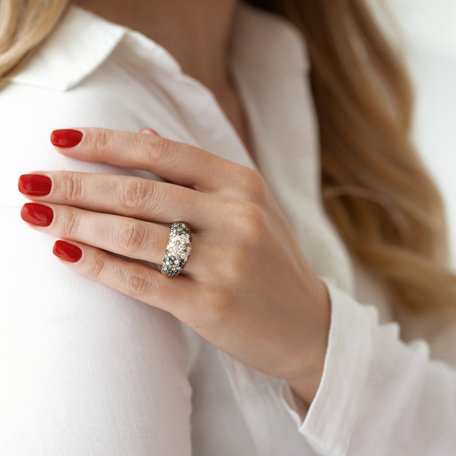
<point>82,41</point>
<point>77,46</point>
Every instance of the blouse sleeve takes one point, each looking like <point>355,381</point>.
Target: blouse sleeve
<point>378,395</point>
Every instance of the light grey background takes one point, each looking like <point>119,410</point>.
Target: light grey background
<point>425,30</point>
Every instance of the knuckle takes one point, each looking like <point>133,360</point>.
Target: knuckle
<point>164,150</point>
<point>153,149</point>
<point>130,237</point>
<point>72,187</point>
<point>249,219</point>
<point>71,222</point>
<point>144,145</point>
<point>103,142</point>
<point>136,283</point>
<point>253,184</point>
<point>134,194</point>
<point>96,267</point>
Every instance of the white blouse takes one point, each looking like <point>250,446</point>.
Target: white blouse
<point>88,371</point>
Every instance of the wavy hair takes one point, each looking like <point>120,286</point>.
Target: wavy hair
<point>375,188</point>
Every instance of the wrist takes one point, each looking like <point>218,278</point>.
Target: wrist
<point>306,384</point>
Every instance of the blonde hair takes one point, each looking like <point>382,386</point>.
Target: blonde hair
<point>24,24</point>
<point>375,188</point>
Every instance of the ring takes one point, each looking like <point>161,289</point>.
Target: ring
<point>178,249</point>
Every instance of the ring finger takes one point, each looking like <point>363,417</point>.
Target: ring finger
<point>125,236</point>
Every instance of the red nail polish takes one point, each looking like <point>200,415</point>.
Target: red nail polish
<point>66,138</point>
<point>34,184</point>
<point>37,214</point>
<point>66,251</point>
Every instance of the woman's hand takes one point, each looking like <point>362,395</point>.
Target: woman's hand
<point>246,287</point>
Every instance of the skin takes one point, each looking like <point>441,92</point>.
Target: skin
<point>246,287</point>
<point>198,39</point>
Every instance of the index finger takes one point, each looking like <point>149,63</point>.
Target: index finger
<point>175,161</point>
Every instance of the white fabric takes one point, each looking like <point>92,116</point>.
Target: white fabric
<point>88,371</point>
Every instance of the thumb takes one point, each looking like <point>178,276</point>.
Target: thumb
<point>148,131</point>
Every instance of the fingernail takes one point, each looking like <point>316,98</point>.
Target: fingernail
<point>66,138</point>
<point>37,214</point>
<point>66,251</point>
<point>34,184</point>
<point>148,131</point>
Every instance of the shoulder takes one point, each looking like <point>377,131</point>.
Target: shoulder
<point>87,65</point>
<point>81,76</point>
<point>30,113</point>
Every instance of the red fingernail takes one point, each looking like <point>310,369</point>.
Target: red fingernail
<point>66,138</point>
<point>34,184</point>
<point>66,251</point>
<point>37,214</point>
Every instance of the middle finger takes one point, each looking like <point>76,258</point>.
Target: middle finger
<point>131,196</point>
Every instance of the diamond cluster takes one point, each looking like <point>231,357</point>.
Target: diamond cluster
<point>178,249</point>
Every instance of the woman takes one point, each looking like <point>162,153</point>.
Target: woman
<point>277,332</point>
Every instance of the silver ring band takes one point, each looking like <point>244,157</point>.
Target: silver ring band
<point>178,249</point>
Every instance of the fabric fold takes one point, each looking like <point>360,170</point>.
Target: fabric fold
<point>328,423</point>
<point>377,394</point>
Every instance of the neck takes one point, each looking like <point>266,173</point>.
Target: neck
<point>195,32</point>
